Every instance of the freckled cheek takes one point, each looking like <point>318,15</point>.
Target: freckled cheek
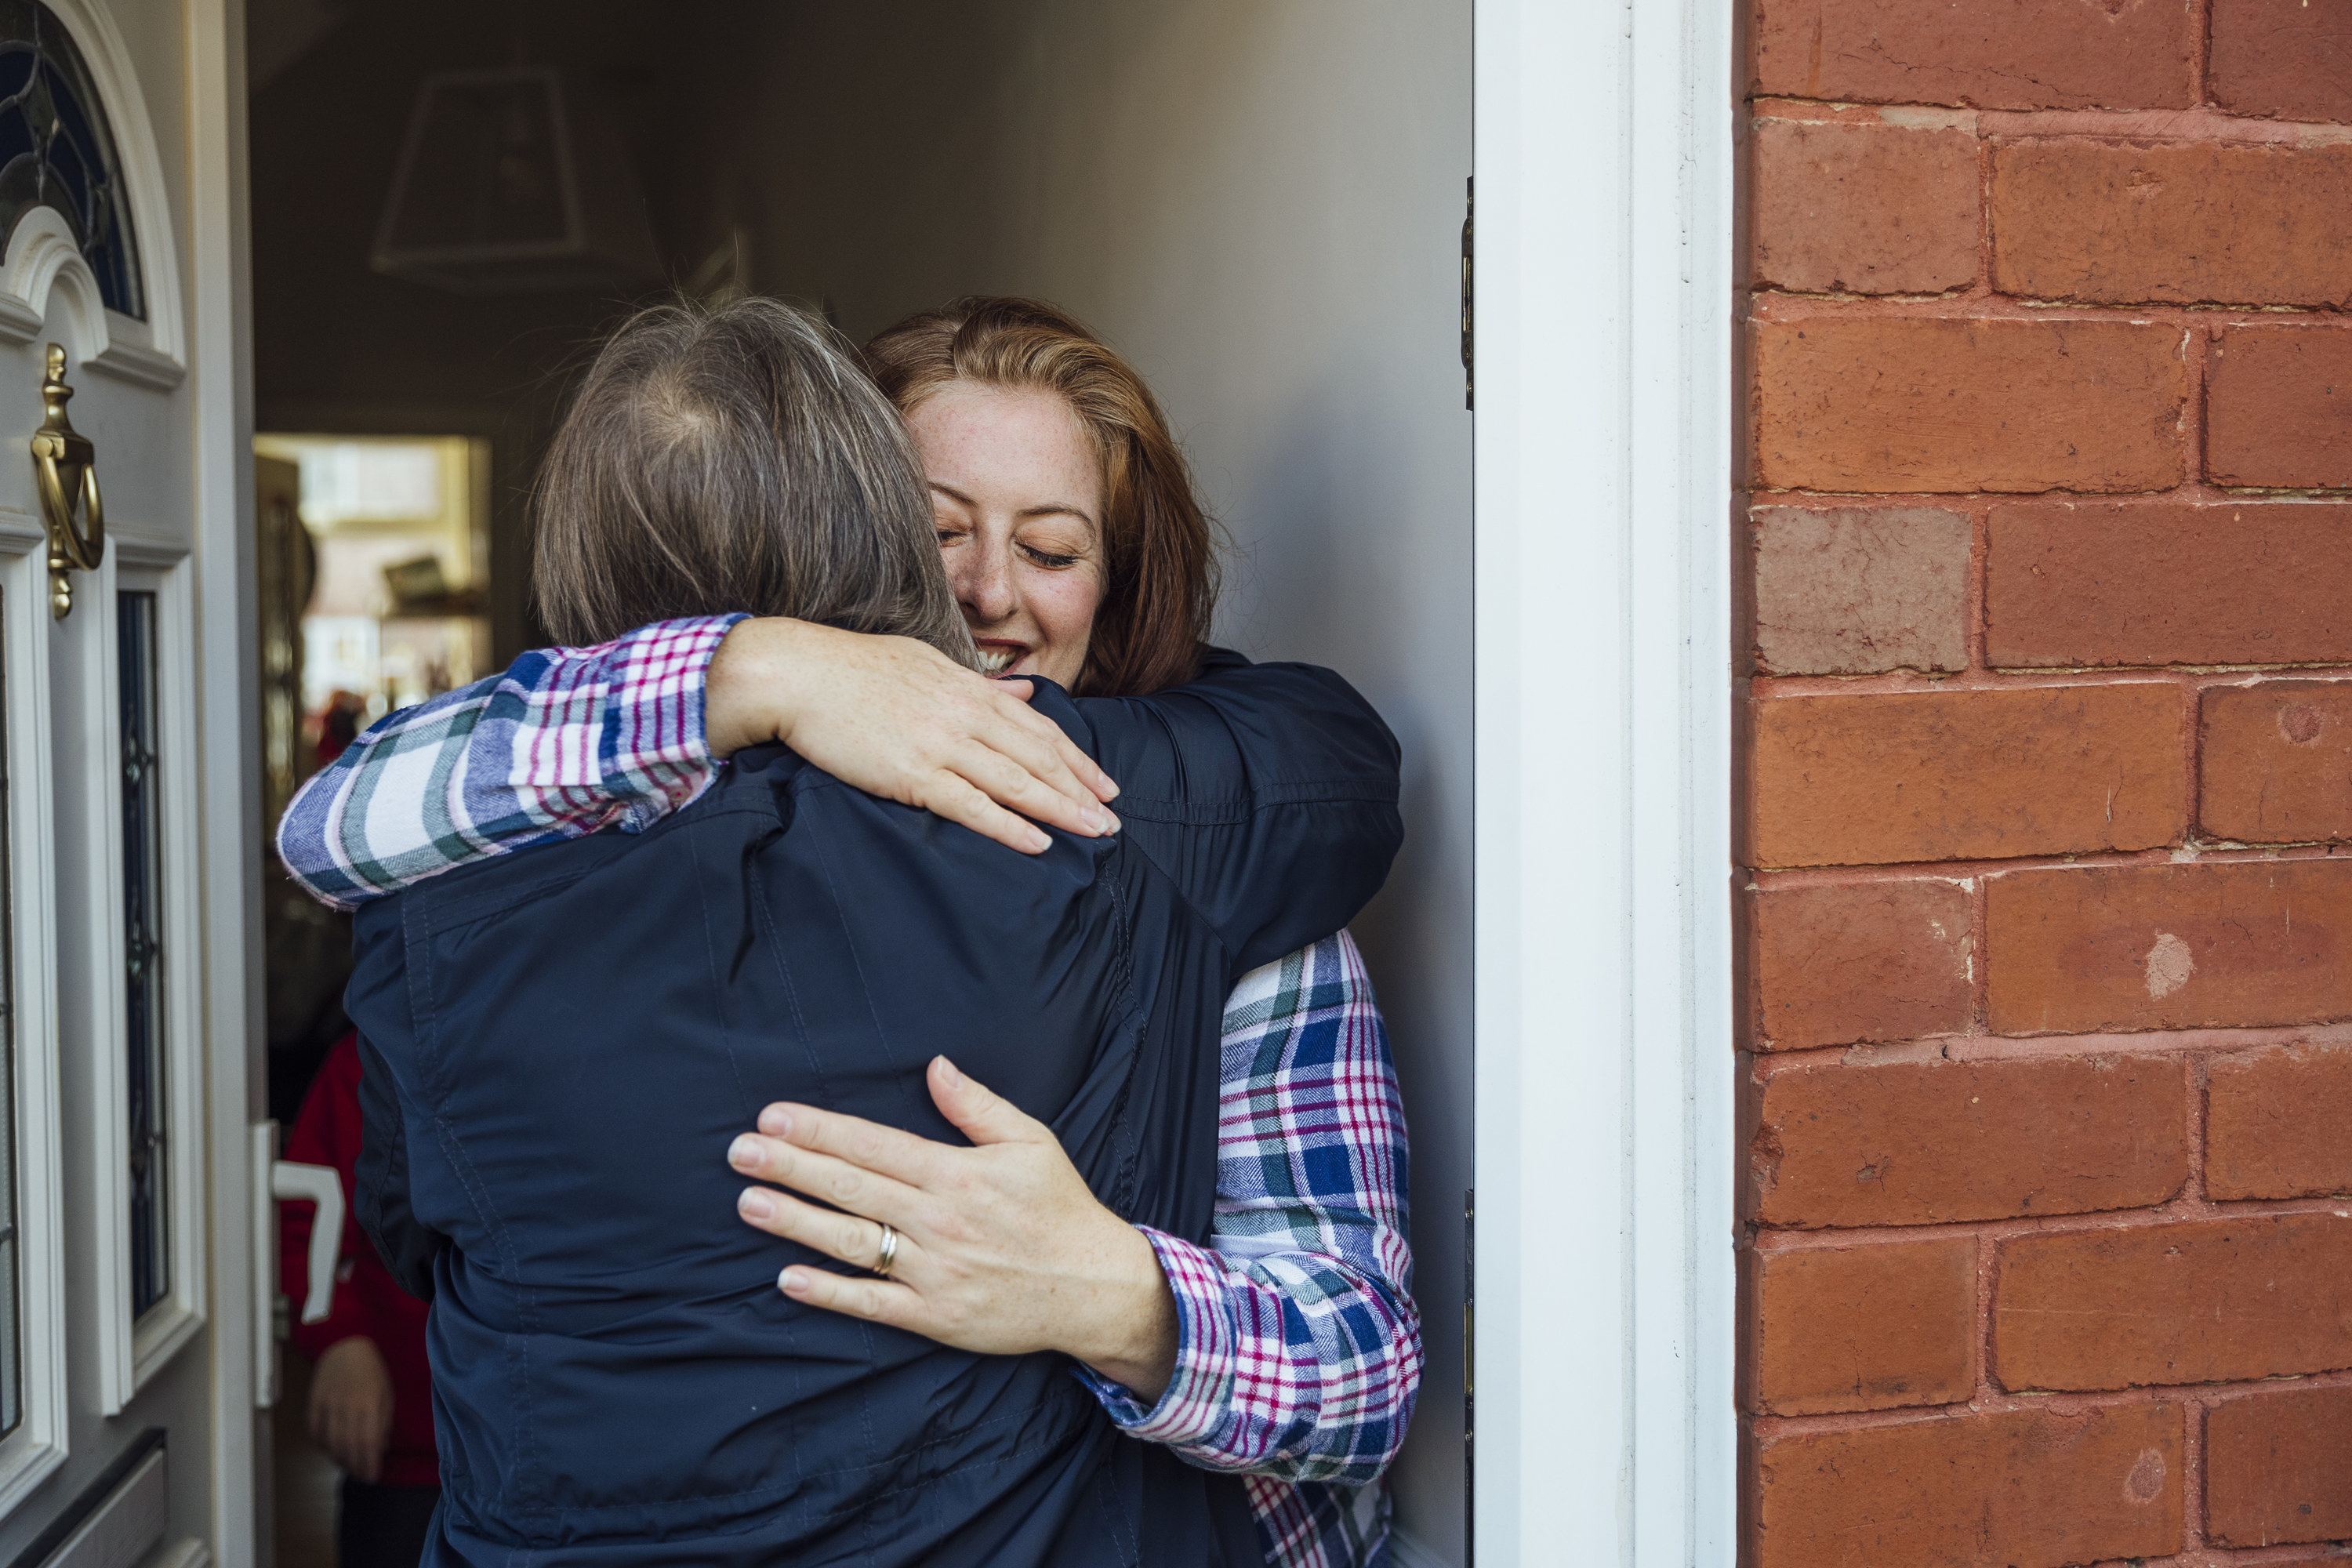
<point>1064,606</point>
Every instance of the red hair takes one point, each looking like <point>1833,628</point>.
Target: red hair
<point>1159,581</point>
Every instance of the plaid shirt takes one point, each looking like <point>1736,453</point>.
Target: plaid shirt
<point>1299,1348</point>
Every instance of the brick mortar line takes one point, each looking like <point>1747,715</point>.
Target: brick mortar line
<point>2196,427</point>
<point>1984,1390</point>
<point>2178,1210</point>
<point>2205,124</point>
<point>2196,1066</point>
<point>2201,57</point>
<point>2191,492</point>
<point>2208,1556</point>
<point>2026,676</point>
<point>1976,656</point>
<point>1979,892</point>
<point>2193,852</point>
<point>1766,306</point>
<point>2197,1395</point>
<point>2193,1422</point>
<point>1981,285</point>
<point>2196,354</point>
<point>1987,1047</point>
<point>2194,678</point>
<point>1989,1241</point>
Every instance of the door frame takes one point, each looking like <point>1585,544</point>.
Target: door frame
<point>220,377</point>
<point>1604,533</point>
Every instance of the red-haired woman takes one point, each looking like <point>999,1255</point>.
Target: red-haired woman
<point>1288,1347</point>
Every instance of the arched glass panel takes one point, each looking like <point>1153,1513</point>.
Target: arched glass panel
<point>58,152</point>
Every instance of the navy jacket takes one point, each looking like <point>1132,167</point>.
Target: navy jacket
<point>563,1042</point>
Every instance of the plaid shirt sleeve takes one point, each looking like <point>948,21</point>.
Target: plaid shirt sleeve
<point>1298,1345</point>
<point>566,742</point>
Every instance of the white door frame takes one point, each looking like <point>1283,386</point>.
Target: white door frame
<point>1606,1425</point>
<point>220,321</point>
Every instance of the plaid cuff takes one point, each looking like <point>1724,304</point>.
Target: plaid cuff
<point>650,749</point>
<point>1199,1397</point>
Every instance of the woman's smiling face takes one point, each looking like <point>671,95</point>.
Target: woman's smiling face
<point>1016,487</point>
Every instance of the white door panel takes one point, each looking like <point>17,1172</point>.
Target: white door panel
<point>125,1087</point>
<point>35,1448</point>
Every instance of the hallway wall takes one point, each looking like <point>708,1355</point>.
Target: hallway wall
<point>1261,206</point>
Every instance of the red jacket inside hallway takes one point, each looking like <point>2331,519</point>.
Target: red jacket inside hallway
<point>366,1301</point>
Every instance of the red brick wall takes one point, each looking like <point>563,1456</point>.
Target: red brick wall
<point>2048,783</point>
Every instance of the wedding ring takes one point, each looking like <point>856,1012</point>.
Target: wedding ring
<point>887,1253</point>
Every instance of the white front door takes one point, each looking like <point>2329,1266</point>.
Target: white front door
<point>127,1381</point>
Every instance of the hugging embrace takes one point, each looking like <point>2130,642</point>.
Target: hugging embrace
<point>860,1047</point>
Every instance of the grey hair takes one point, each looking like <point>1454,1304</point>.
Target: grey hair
<point>735,458</point>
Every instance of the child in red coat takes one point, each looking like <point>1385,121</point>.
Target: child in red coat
<point>371,1394</point>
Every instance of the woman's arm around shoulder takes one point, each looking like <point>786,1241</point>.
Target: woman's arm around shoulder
<point>1298,1353</point>
<point>565,742</point>
<point>569,740</point>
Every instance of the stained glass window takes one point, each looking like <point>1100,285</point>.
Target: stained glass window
<point>142,868</point>
<point>56,152</point>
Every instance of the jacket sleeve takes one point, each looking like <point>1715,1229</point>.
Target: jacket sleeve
<point>407,1246</point>
<point>1266,792</point>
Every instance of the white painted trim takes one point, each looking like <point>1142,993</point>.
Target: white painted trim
<point>127,361</point>
<point>92,627</point>
<point>127,1527</point>
<point>185,1552</point>
<point>266,1369</point>
<point>1604,1058</point>
<point>131,1352</point>
<point>43,260</point>
<point>33,1453</point>
<point>135,547</point>
<point>43,256</point>
<point>161,1334</point>
<point>220,363</point>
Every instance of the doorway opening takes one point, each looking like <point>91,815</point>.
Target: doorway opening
<point>1260,206</point>
<point>373,573</point>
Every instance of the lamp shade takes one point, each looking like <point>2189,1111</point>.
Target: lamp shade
<point>501,188</point>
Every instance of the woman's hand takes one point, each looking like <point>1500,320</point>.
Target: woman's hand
<point>351,1406</point>
<point>899,719</point>
<point>1001,1249</point>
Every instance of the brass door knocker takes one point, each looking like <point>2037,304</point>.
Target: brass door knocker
<point>68,466</point>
